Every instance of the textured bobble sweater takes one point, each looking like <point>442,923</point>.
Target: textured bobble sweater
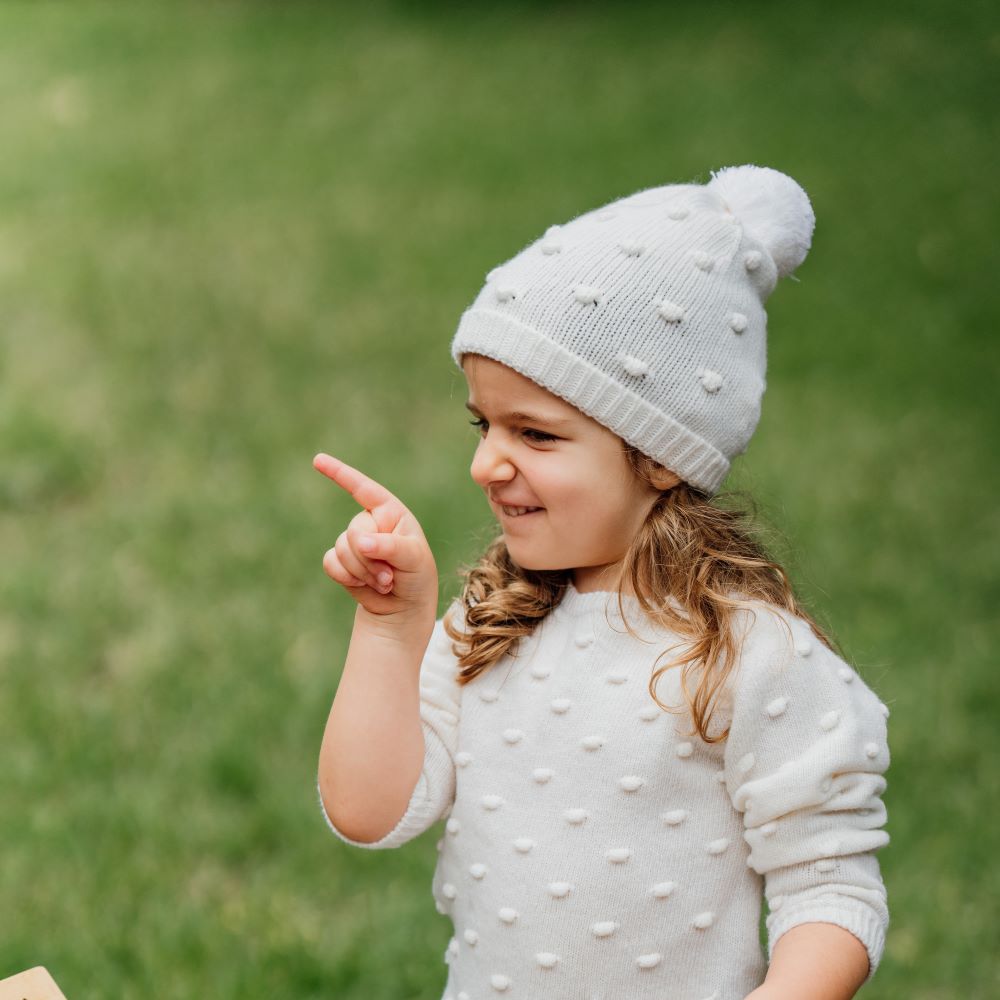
<point>594,849</point>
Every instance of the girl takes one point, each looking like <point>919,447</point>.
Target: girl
<point>633,728</point>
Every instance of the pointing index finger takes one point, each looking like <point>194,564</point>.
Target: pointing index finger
<point>371,495</point>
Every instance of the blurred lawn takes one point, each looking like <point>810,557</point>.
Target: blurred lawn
<point>233,235</point>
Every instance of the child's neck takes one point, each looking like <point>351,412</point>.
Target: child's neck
<point>598,579</point>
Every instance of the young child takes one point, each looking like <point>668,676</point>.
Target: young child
<point>634,730</point>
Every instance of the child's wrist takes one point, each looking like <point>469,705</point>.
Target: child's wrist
<point>402,627</point>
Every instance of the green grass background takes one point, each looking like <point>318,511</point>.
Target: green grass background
<point>232,235</point>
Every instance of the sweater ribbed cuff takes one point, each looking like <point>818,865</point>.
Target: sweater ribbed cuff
<point>398,835</point>
<point>862,921</point>
<point>423,807</point>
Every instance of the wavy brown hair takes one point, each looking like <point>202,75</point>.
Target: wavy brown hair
<point>692,566</point>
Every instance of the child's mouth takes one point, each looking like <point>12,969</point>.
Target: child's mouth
<point>520,511</point>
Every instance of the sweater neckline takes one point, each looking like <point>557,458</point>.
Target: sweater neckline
<point>576,604</point>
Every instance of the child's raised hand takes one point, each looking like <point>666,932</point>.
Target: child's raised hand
<point>382,559</point>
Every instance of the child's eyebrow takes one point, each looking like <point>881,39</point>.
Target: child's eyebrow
<point>520,416</point>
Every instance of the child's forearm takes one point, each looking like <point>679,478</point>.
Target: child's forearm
<point>815,961</point>
<point>373,745</point>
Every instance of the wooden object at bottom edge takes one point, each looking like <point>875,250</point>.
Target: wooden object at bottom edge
<point>33,984</point>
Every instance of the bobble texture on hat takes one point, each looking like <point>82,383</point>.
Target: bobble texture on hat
<point>647,314</point>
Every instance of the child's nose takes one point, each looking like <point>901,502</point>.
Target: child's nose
<point>491,464</point>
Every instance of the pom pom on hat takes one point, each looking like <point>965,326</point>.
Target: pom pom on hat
<point>772,208</point>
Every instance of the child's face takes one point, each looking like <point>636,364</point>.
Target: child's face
<point>561,461</point>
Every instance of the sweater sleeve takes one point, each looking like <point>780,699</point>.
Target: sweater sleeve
<point>434,793</point>
<point>804,764</point>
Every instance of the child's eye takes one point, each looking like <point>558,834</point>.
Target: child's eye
<point>482,424</point>
<point>538,435</point>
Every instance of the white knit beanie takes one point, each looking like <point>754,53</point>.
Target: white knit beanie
<point>648,314</point>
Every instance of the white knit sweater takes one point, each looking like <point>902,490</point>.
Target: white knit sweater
<point>594,850</point>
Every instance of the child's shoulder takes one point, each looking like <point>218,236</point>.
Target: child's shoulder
<point>781,659</point>
<point>769,636</point>
<point>802,724</point>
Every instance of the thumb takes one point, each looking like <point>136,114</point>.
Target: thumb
<point>402,552</point>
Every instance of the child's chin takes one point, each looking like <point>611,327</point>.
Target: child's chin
<point>525,560</point>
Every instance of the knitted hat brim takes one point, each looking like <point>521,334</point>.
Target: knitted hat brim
<point>586,387</point>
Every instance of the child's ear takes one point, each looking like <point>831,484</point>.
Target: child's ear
<point>664,479</point>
